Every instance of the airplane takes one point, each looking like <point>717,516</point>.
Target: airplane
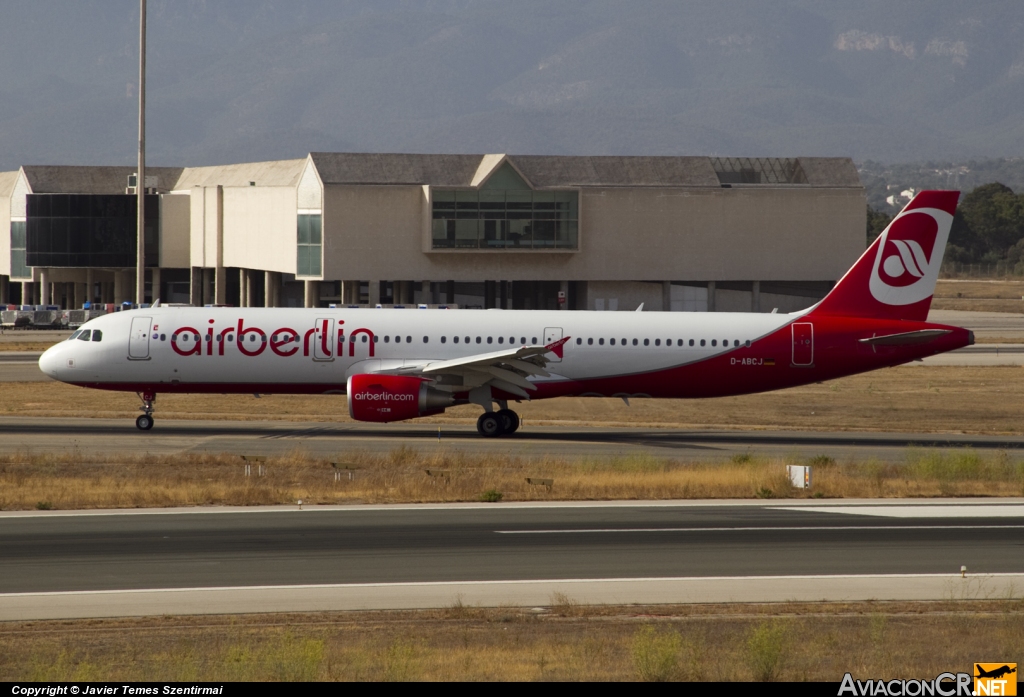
<point>398,364</point>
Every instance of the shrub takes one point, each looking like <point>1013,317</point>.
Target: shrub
<point>492,496</point>
<point>656,654</point>
<point>766,649</point>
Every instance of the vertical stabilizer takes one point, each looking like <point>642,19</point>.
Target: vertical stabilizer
<point>895,278</point>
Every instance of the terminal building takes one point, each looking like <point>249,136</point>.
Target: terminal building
<point>488,231</point>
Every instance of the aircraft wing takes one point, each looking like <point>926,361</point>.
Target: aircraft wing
<point>506,370</point>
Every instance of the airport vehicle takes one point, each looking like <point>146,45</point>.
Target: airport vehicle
<point>401,364</point>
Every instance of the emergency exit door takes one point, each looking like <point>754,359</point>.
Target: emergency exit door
<point>551,335</point>
<point>138,341</point>
<point>803,344</point>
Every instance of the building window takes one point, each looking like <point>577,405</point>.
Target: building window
<point>310,244</point>
<point>89,230</point>
<point>505,213</point>
<point>19,269</point>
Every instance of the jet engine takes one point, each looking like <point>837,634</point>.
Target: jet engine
<point>385,398</point>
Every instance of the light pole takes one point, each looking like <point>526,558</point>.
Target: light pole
<point>140,181</point>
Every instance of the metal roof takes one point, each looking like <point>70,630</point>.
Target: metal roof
<point>69,179</point>
<point>7,182</point>
<point>547,171</point>
<point>273,173</point>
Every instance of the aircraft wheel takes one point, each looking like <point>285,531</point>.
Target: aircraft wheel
<point>144,422</point>
<point>489,425</point>
<point>509,421</point>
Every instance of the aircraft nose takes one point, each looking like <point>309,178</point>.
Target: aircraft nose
<point>49,362</point>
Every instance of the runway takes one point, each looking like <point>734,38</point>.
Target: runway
<point>360,557</point>
<point>279,438</point>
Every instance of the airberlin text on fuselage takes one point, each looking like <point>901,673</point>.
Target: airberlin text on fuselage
<point>384,396</point>
<point>189,341</point>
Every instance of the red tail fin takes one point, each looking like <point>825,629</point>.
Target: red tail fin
<point>895,277</point>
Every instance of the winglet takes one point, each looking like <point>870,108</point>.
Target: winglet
<point>557,347</point>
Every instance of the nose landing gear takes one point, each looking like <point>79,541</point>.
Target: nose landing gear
<point>145,422</point>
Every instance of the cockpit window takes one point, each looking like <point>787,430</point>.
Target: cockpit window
<point>97,335</point>
<point>85,335</point>
<point>75,335</point>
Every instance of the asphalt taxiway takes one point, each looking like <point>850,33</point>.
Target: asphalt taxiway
<point>112,563</point>
<point>332,440</point>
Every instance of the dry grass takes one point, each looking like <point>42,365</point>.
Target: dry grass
<point>1003,295</point>
<point>916,399</point>
<point>68,481</point>
<point>25,345</point>
<point>712,642</point>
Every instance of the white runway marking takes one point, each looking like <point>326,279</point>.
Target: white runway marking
<point>775,528</point>
<point>920,511</point>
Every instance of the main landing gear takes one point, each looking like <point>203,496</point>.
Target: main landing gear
<point>145,422</point>
<point>492,424</point>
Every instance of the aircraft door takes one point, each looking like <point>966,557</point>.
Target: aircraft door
<point>323,339</point>
<point>551,335</point>
<point>138,340</point>
<point>803,344</point>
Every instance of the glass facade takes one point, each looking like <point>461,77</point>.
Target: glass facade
<point>504,213</point>
<point>88,230</point>
<point>509,219</point>
<point>19,269</point>
<point>310,237</point>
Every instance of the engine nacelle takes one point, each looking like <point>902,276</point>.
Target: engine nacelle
<point>385,398</point>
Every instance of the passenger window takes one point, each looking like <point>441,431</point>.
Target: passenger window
<point>680,343</point>
<point>691,342</point>
<point>455,339</point>
<point>489,340</point>
<point>714,342</point>
<point>623,342</point>
<point>364,338</point>
<point>444,339</point>
<point>231,337</point>
<point>522,340</point>
<point>647,342</point>
<point>425,340</point>
<point>97,335</point>
<point>534,340</point>
<point>590,342</point>
<point>601,341</point>
<point>702,342</point>
<point>657,342</point>
<point>408,339</point>
<point>636,342</point>
<point>501,340</point>
<point>736,342</point>
<point>467,339</point>
<point>611,341</point>
<point>85,335</point>
<point>387,339</point>
<point>511,340</point>
<point>75,335</point>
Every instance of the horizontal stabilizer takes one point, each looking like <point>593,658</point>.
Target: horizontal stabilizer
<point>906,338</point>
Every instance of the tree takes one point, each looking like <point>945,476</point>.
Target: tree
<point>989,221</point>
<point>877,222</point>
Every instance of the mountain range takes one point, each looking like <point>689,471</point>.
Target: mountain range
<point>238,80</point>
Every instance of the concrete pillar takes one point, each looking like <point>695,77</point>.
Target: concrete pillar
<point>312,294</point>
<point>755,297</point>
<point>220,290</point>
<point>276,296</point>
<point>711,296</point>
<point>449,292</point>
<point>374,293</point>
<point>268,289</point>
<point>44,282</point>
<point>195,292</point>
<point>69,292</point>
<point>26,292</point>
<point>118,287</point>
<point>155,291</point>
<point>5,290</point>
<point>81,294</point>
<point>250,289</point>
<point>90,286</point>
<point>666,296</point>
<point>242,278</point>
<point>564,289</point>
